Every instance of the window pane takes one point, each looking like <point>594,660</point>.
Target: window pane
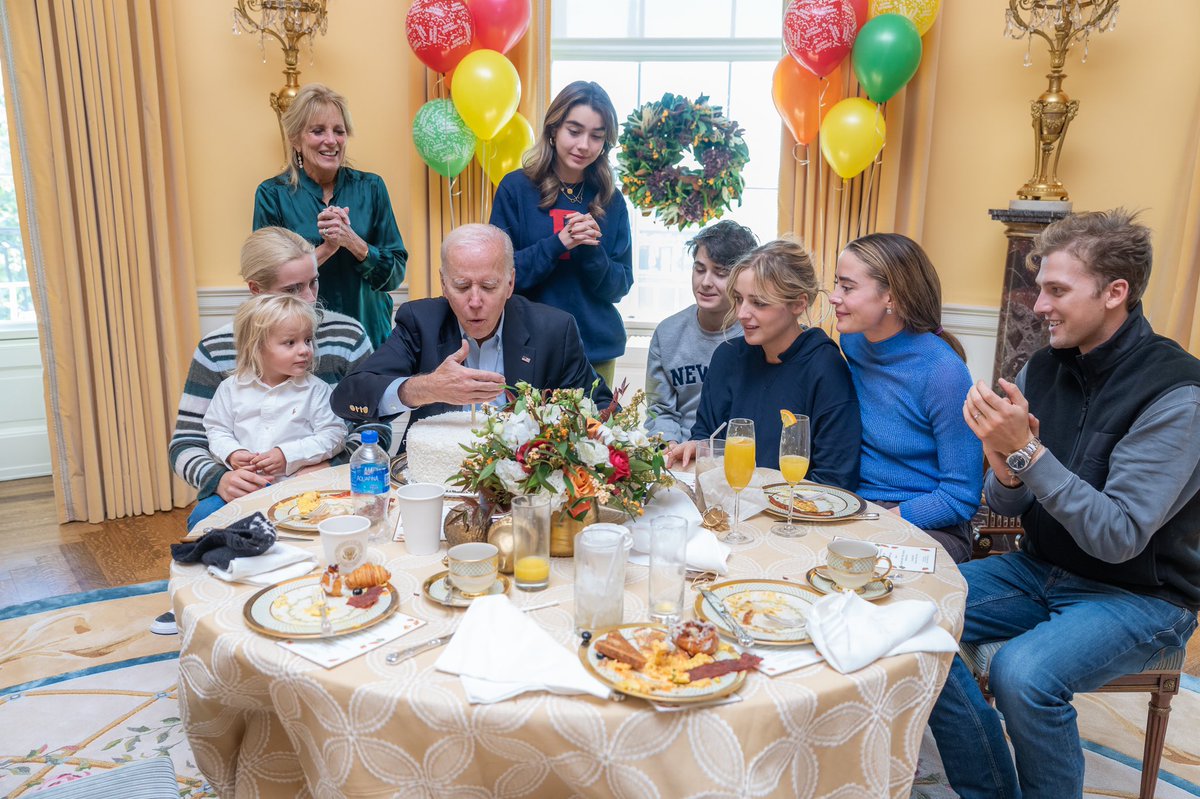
<point>587,19</point>
<point>16,300</point>
<point>696,18</point>
<point>619,79</point>
<point>758,19</point>
<point>752,107</point>
<point>689,78</point>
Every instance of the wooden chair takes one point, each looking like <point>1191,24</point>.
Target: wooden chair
<point>1160,677</point>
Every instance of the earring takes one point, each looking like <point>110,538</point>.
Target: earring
<point>889,310</point>
<point>299,160</point>
<point>551,141</point>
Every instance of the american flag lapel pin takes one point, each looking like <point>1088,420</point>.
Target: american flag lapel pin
<point>524,359</point>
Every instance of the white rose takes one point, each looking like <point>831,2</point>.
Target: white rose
<point>605,434</point>
<point>620,434</point>
<point>559,493</point>
<point>518,429</point>
<point>589,408</point>
<point>551,414</point>
<point>638,438</point>
<point>593,453</point>
<point>511,474</point>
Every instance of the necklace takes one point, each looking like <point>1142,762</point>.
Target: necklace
<point>572,191</point>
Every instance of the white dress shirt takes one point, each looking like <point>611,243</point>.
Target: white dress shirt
<point>487,357</point>
<point>295,416</point>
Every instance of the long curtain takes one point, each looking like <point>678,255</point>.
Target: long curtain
<point>468,197</point>
<point>96,126</point>
<point>827,211</point>
<point>1175,283</point>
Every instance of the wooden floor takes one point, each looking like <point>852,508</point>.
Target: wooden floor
<point>40,558</point>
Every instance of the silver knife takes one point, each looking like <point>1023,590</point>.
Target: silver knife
<point>744,638</point>
<point>401,655</point>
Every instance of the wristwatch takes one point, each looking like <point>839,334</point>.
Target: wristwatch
<point>1019,461</point>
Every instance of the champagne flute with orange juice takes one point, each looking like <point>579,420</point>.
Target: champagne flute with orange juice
<point>793,462</point>
<point>739,468</point>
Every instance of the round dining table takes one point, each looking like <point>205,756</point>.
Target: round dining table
<point>264,722</point>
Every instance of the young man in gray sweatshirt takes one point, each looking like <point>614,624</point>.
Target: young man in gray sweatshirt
<point>1094,445</point>
<point>683,343</point>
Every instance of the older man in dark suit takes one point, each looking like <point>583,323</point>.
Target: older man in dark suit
<point>462,348</point>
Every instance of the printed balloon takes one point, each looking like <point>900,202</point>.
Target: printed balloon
<point>820,33</point>
<point>439,32</point>
<point>443,140</point>
<point>921,12</point>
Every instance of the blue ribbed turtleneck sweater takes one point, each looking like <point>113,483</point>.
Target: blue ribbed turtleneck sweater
<point>916,448</point>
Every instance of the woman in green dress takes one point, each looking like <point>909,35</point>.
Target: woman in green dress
<point>346,213</point>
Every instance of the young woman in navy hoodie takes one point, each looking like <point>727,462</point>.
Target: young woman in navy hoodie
<point>568,223</point>
<point>779,363</point>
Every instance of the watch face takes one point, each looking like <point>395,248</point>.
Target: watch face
<point>1017,461</point>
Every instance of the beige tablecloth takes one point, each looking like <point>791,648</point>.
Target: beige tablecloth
<point>265,723</point>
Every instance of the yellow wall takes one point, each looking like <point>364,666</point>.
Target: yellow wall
<point>1139,96</point>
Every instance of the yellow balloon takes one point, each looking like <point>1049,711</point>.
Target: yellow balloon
<point>503,153</point>
<point>921,12</point>
<point>486,91</point>
<point>852,134</point>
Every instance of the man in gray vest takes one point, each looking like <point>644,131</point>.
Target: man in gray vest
<point>1095,447</point>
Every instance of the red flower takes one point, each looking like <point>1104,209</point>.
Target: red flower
<point>528,452</point>
<point>620,464</point>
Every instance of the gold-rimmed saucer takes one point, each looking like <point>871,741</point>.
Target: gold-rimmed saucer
<point>438,589</point>
<point>876,589</point>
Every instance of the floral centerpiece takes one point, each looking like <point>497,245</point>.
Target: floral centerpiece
<point>559,443</point>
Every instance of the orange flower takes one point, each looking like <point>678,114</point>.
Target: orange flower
<point>583,482</point>
<point>593,428</point>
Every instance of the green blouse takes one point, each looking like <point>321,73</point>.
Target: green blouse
<point>358,289</point>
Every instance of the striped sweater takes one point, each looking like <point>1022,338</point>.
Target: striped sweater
<point>341,344</point>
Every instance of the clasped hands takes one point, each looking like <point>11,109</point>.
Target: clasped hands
<point>333,223</point>
<point>1002,423</point>
<point>250,471</point>
<point>452,383</point>
<point>579,229</point>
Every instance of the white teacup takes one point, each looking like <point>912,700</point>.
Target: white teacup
<point>851,563</point>
<point>473,567</point>
<point>344,539</point>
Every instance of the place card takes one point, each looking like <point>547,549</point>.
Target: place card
<point>781,661</point>
<point>330,652</point>
<point>908,559</point>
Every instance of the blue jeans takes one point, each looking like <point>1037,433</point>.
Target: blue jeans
<point>204,508</point>
<point>1069,635</point>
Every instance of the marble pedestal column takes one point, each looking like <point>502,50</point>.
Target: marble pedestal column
<point>1020,333</point>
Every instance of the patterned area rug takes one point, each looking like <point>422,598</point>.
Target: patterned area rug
<point>84,687</point>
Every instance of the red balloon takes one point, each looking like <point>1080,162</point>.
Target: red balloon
<point>439,32</point>
<point>499,24</point>
<point>820,33</point>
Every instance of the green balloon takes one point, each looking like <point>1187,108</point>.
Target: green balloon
<point>443,140</point>
<point>886,55</point>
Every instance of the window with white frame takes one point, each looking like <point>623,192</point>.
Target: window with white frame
<point>640,49</point>
<point>16,299</point>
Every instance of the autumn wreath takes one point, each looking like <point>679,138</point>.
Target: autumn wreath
<point>654,140</point>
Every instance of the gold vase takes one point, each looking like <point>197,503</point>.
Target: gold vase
<point>563,529</point>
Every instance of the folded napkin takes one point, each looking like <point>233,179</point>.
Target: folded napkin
<point>851,632</point>
<point>704,552</point>
<point>280,562</point>
<point>500,652</point>
<point>246,537</point>
<point>717,491</point>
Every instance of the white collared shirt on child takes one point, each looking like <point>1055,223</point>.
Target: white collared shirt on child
<point>295,416</point>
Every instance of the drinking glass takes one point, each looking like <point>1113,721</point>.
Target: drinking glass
<point>531,541</point>
<point>739,468</point>
<point>668,567</point>
<point>710,455</point>
<point>793,462</point>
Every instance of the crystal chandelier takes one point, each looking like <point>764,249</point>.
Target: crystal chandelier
<point>290,22</point>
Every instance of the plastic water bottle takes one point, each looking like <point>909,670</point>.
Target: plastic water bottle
<point>370,483</point>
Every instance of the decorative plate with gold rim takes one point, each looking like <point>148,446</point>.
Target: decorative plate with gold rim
<point>876,589</point>
<point>438,589</point>
<point>304,511</point>
<point>814,502</point>
<point>654,682</point>
<point>292,609</point>
<point>773,612</point>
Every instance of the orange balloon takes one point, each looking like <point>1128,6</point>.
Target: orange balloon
<point>798,99</point>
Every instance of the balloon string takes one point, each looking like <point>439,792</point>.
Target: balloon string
<point>450,200</point>
<point>798,159</point>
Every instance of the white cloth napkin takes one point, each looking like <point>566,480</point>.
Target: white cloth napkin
<point>717,491</point>
<point>704,552</point>
<point>851,632</point>
<point>500,652</point>
<point>280,562</point>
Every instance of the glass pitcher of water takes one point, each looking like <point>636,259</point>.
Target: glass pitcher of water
<point>601,551</point>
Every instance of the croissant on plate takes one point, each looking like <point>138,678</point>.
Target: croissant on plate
<point>366,576</point>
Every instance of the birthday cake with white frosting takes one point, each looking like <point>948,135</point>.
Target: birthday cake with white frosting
<point>435,445</point>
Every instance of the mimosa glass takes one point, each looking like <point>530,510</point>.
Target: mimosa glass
<point>531,541</point>
<point>793,462</point>
<point>739,468</point>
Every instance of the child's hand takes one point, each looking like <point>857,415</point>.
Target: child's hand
<point>272,462</point>
<point>242,459</point>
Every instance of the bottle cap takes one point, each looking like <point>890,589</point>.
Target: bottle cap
<point>370,436</point>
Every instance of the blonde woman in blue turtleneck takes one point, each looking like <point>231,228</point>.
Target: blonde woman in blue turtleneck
<point>919,458</point>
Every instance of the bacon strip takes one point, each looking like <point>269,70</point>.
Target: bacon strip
<point>719,668</point>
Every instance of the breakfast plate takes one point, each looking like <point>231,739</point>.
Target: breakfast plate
<point>304,511</point>
<point>292,609</point>
<point>773,612</point>
<point>654,681</point>
<point>814,502</point>
<point>876,589</point>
